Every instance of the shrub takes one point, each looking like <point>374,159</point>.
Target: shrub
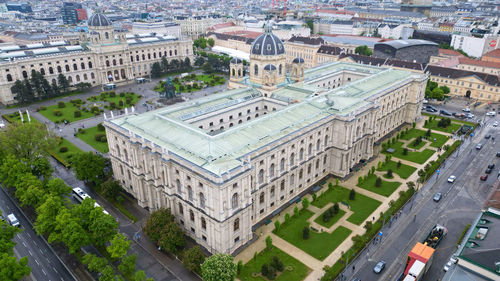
<point>277,263</point>
<point>352,194</point>
<point>287,217</point>
<point>399,164</point>
<point>378,182</point>
<point>335,208</point>
<point>305,203</point>
<point>360,179</point>
<point>327,216</point>
<point>112,94</point>
<point>373,169</point>
<point>61,104</point>
<point>269,242</point>
<point>81,131</point>
<point>128,100</point>
<point>296,211</point>
<point>277,225</point>
<point>330,185</point>
<point>389,173</point>
<point>103,139</point>
<point>271,272</point>
<point>41,108</point>
<point>77,114</point>
<point>122,95</point>
<point>239,266</point>
<point>98,137</point>
<point>112,105</point>
<point>264,269</point>
<point>405,151</point>
<point>100,127</point>
<point>314,196</point>
<point>428,133</point>
<point>57,112</point>
<point>120,103</point>
<point>63,149</point>
<point>305,233</point>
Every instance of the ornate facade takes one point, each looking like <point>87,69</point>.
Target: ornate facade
<point>225,163</point>
<point>103,56</point>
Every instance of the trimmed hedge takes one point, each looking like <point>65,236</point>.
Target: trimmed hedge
<point>435,164</point>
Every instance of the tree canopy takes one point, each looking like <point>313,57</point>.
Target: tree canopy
<point>89,167</point>
<point>219,267</point>
<point>363,50</point>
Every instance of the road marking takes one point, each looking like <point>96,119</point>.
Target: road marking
<point>55,270</point>
<point>29,235</point>
<point>35,243</point>
<point>30,253</point>
<point>44,272</point>
<point>62,279</point>
<point>41,251</point>
<point>24,244</point>
<point>18,236</point>
<point>37,263</point>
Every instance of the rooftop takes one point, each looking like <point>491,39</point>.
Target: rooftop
<point>400,44</point>
<point>169,129</point>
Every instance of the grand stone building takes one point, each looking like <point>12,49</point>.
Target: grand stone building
<point>104,55</point>
<point>225,163</point>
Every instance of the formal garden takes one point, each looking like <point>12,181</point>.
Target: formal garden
<point>192,82</point>
<point>272,264</point>
<point>95,137</point>
<point>78,109</point>
<point>444,124</point>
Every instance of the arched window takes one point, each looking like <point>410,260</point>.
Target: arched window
<point>191,215</point>
<point>92,76</point>
<point>54,82</point>
<point>132,58</point>
<point>149,56</point>
<point>85,77</point>
<point>326,140</point>
<point>317,164</point>
<point>292,179</point>
<point>67,67</point>
<point>137,57</point>
<point>90,64</point>
<point>42,71</point>
<point>190,193</point>
<point>202,201</point>
<point>261,176</point>
<point>261,198</point>
<point>233,73</point>
<point>271,170</point>
<point>256,70</point>
<point>181,210</point>
<point>170,52</point>
<point>282,165</point>
<point>175,52</point>
<point>234,201</point>
<point>272,191</point>
<point>106,35</point>
<point>280,69</point>
<point>121,61</point>
<point>236,224</point>
<point>107,63</point>
<point>324,160</point>
<point>203,223</point>
<point>77,78</point>
<point>51,70</point>
<point>9,77</point>
<point>301,154</point>
<point>114,62</point>
<point>82,65</point>
<point>70,79</point>
<point>318,143</point>
<point>309,167</point>
<point>59,70</point>
<point>310,149</point>
<point>301,172</point>
<point>179,186</point>
<point>292,159</point>
<point>154,55</point>
<point>75,67</point>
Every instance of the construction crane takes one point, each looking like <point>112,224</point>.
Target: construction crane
<point>284,10</point>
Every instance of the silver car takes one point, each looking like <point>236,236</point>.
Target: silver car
<point>379,267</point>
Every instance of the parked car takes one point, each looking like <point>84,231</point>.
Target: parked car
<point>428,109</point>
<point>437,197</point>
<point>491,166</point>
<point>495,124</point>
<point>488,171</point>
<point>425,101</point>
<point>466,109</point>
<point>452,179</point>
<point>447,266</point>
<point>498,154</point>
<point>491,113</point>
<point>469,115</point>
<point>487,136</point>
<point>13,220</point>
<point>379,267</point>
<point>444,112</point>
<point>484,177</point>
<point>479,146</point>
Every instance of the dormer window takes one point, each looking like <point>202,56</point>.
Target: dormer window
<point>257,46</point>
<point>279,46</point>
<point>269,47</point>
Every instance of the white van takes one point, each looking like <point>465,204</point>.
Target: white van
<point>13,220</point>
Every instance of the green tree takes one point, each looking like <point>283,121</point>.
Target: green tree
<point>57,187</point>
<point>363,50</point>
<point>199,61</point>
<point>411,185</point>
<point>186,63</point>
<point>310,25</point>
<point>193,258</point>
<point>172,238</point>
<point>11,269</point>
<point>29,190</point>
<point>389,173</point>
<point>56,90</point>
<point>46,215</point>
<point>287,217</point>
<point>336,208</point>
<point>89,167</point>
<point>119,246</point>
<point>156,70</point>
<point>305,233</point>
<point>437,93</point>
<point>378,182</point>
<point>94,263</point>
<point>127,265</point>
<point>42,168</point>
<point>269,242</point>
<point>207,68</point>
<point>141,276</point>
<point>200,43</point>
<point>277,225</point>
<point>352,194</point>
<point>69,231</point>
<point>21,93</point>
<point>110,189</point>
<point>219,267</point>
<point>445,89</point>
<point>164,64</point>
<point>102,227</point>
<point>305,203</point>
<point>210,42</point>
<point>107,274</point>
<point>296,211</point>
<point>27,141</point>
<point>12,171</point>
<point>63,83</point>
<point>157,222</point>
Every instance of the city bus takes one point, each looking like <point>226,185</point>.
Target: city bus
<point>81,195</point>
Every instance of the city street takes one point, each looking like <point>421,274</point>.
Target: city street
<point>44,264</point>
<point>459,205</point>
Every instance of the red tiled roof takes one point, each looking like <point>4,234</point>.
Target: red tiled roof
<point>495,53</point>
<point>337,12</point>
<point>222,25</point>
<point>244,33</point>
<point>450,52</point>
<point>465,60</point>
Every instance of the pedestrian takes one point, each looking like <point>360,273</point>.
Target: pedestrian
<point>353,268</point>
<point>415,218</point>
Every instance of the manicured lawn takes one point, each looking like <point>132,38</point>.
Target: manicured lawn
<point>319,245</point>
<point>299,271</point>
<point>404,171</point>
<point>206,78</point>
<point>88,136</point>
<point>362,206</point>
<point>455,125</point>
<point>108,98</point>
<point>414,133</point>
<point>67,111</point>
<point>386,189</point>
<point>413,156</point>
<point>15,117</point>
<point>65,157</point>
<point>332,221</point>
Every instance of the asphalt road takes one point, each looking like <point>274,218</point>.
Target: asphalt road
<point>459,206</point>
<point>44,264</point>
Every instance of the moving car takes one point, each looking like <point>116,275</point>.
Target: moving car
<point>379,267</point>
<point>491,166</point>
<point>479,146</point>
<point>430,109</point>
<point>491,113</point>
<point>444,112</point>
<point>495,124</point>
<point>469,115</point>
<point>466,109</point>
<point>487,136</point>
<point>484,177</point>
<point>488,171</point>
<point>13,220</point>
<point>437,197</point>
<point>451,179</point>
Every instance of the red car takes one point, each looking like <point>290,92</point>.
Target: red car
<point>484,177</point>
